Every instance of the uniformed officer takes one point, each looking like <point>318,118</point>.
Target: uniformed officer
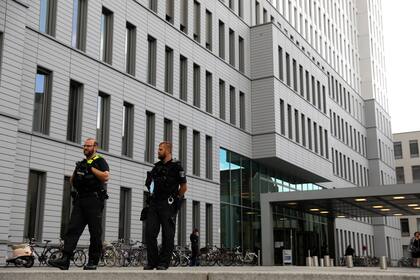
<point>167,184</point>
<point>89,178</point>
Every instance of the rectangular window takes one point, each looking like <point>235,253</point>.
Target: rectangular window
<point>240,8</point>
<point>209,30</point>
<point>167,130</point>
<point>79,24</point>
<point>47,16</point>
<point>183,24</point>
<point>231,47</point>
<point>280,51</point>
<point>130,48</point>
<point>297,136</point>
<point>241,54</point>
<point>301,88</point>
<point>309,134</point>
<point>326,145</point>
<point>416,173</point>
<point>398,150</point>
<point>209,224</point>
<point>183,78</point>
<point>170,11</point>
<point>197,86</point>
<point>324,100</point>
<point>107,26</point>
<point>264,15</point>
<point>35,205</point>
<point>295,86</point>
<point>232,4</point>
<point>232,105</point>
<point>169,70</point>
<point>241,110</point>
<point>222,100</point>
<point>308,92</point>
<point>196,153</point>
<point>321,140</point>
<point>197,22</point>
<point>125,214</point>
<point>313,90</point>
<point>209,157</point>
<point>399,171</point>
<point>282,118</point>
<point>151,61</point>
<point>209,92</point>
<point>315,138</point>
<point>42,102</point>
<point>414,149</point>
<point>153,5</point>
<point>183,146</point>
<point>303,124</point>
<point>149,155</point>
<point>66,206</point>
<point>405,229</point>
<point>287,69</point>
<point>182,224</point>
<point>257,13</point>
<point>103,120</point>
<point>221,39</point>
<point>74,115</point>
<point>128,130</point>
<point>196,215</point>
<point>289,121</point>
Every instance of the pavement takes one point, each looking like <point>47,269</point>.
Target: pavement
<point>213,273</point>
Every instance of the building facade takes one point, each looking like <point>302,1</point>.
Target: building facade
<point>257,96</point>
<point>407,170</point>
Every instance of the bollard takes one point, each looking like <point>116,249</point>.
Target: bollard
<point>327,260</point>
<point>309,261</point>
<point>331,262</point>
<point>349,261</point>
<point>382,262</point>
<point>321,262</point>
<point>259,257</point>
<point>315,260</point>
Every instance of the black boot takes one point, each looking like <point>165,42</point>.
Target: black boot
<point>62,263</point>
<point>90,266</point>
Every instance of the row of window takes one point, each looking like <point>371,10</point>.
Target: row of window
<point>405,226</point>
<point>303,130</point>
<point>414,149</point>
<point>41,123</point>
<point>35,205</point>
<point>385,153</point>
<point>348,169</point>
<point>415,171</point>
<point>347,134</point>
<point>308,87</point>
<point>363,244</point>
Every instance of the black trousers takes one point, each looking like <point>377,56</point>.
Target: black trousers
<point>86,211</point>
<point>160,214</point>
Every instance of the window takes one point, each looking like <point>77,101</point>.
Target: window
<point>153,5</point>
<point>405,229</point>
<point>125,214</point>
<point>42,102</point>
<point>183,146</point>
<point>183,78</point>
<point>321,141</point>
<point>294,75</point>
<point>47,16</point>
<point>288,69</point>
<point>128,130</point>
<point>35,205</point>
<point>196,153</point>
<point>257,13</point>
<point>231,47</point>
<point>264,15</point>
<point>102,120</point>
<point>309,134</point>
<point>315,138</point>
<point>289,121</point>
<point>313,90</point>
<point>170,11</point>
<point>280,51</point>
<point>242,110</point>
<point>232,4</point>
<point>151,62</point>
<point>301,88</point>
<point>416,173</point>
<point>167,130</point>
<point>241,54</point>
<point>74,115</point>
<point>169,70</point>
<point>209,157</point>
<point>209,30</point>
<point>282,118</point>
<point>221,39</point>
<point>130,49</point>
<point>303,129</point>
<point>79,25</point>
<point>197,86</point>
<point>182,224</point>
<point>209,224</point>
<point>197,22</point>
<point>107,22</point>
<point>326,145</point>
<point>414,149</point>
<point>297,136</point>
<point>240,8</point>
<point>222,100</point>
<point>149,155</point>
<point>196,215</point>
<point>398,150</point>
<point>232,105</point>
<point>308,94</point>
<point>66,206</point>
<point>318,90</point>
<point>399,171</point>
<point>209,92</point>
<point>183,24</point>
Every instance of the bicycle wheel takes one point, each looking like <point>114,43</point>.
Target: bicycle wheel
<point>79,258</point>
<point>55,256</point>
<point>174,260</point>
<point>109,257</point>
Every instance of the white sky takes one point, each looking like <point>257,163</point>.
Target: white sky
<point>402,55</point>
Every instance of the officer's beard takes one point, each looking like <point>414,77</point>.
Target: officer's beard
<point>88,154</point>
<point>161,157</point>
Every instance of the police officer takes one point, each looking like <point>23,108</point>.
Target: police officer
<point>167,184</point>
<point>88,178</point>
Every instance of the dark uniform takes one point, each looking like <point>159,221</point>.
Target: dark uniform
<point>164,204</point>
<point>194,238</point>
<point>88,206</point>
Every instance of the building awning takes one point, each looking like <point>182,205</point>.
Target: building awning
<point>373,201</point>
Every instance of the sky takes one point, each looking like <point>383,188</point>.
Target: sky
<point>401,20</point>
